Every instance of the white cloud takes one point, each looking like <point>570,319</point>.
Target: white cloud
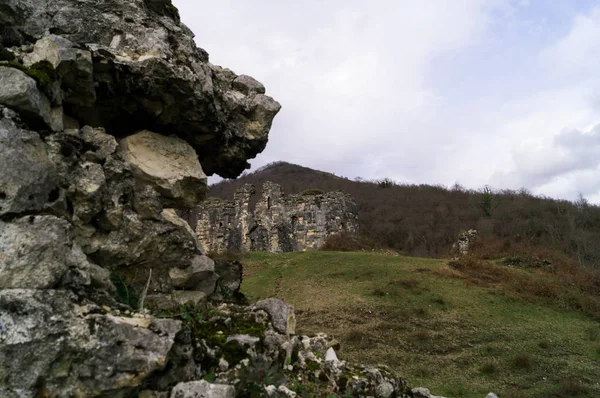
<point>428,92</point>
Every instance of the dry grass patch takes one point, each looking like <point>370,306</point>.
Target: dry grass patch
<point>523,361</point>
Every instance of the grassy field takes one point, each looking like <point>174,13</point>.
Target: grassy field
<point>457,338</point>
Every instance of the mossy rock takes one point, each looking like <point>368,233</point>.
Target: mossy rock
<point>42,72</point>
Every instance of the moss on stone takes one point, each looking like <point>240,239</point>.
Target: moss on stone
<point>42,72</point>
<point>312,365</point>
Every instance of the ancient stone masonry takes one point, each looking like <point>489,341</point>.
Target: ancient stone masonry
<point>279,223</point>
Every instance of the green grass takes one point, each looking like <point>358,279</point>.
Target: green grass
<point>456,338</point>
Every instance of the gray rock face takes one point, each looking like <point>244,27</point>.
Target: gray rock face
<point>146,71</point>
<point>202,389</point>
<point>35,252</point>
<point>170,165</point>
<point>74,66</point>
<point>20,92</point>
<point>279,223</point>
<point>62,349</point>
<point>29,180</point>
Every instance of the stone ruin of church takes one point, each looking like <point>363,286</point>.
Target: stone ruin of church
<point>278,223</point>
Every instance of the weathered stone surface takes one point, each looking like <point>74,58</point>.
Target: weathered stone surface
<point>421,392</point>
<point>464,242</point>
<point>20,92</point>
<point>62,349</point>
<point>282,314</point>
<point>279,223</point>
<point>29,179</point>
<point>38,252</point>
<point>147,71</point>
<point>199,276</point>
<point>230,279</point>
<point>98,142</point>
<point>34,252</point>
<point>74,66</point>
<point>202,389</point>
<point>170,165</point>
<point>248,85</point>
<point>166,245</point>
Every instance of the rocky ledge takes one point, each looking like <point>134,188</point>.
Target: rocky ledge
<point>110,119</point>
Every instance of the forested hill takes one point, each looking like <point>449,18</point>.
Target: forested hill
<point>424,220</point>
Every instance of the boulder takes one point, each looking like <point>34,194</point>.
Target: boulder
<point>202,389</point>
<point>170,165</point>
<point>282,314</point>
<point>146,71</point>
<point>20,92</point>
<point>58,348</point>
<point>29,179</point>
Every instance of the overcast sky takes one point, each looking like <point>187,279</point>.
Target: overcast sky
<point>498,92</point>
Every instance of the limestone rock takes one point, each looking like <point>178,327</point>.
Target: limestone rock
<point>20,92</point>
<point>282,314</point>
<point>35,252</point>
<point>86,192</point>
<point>199,276</point>
<point>421,392</point>
<point>98,142</point>
<point>166,245</point>
<point>29,179</point>
<point>74,66</point>
<point>147,71</point>
<point>202,389</point>
<point>248,85</point>
<point>64,349</point>
<point>168,164</point>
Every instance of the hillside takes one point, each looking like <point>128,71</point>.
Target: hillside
<point>460,332</point>
<point>424,220</point>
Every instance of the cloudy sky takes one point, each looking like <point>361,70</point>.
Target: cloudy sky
<point>498,92</point>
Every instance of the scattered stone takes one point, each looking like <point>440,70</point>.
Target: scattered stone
<point>330,355</point>
<point>282,314</point>
<point>202,389</point>
<point>421,392</point>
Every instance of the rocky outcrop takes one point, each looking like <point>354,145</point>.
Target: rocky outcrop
<point>132,65</point>
<point>109,118</point>
<point>464,242</point>
<point>279,223</point>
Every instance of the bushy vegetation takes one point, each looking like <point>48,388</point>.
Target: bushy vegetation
<point>424,220</point>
